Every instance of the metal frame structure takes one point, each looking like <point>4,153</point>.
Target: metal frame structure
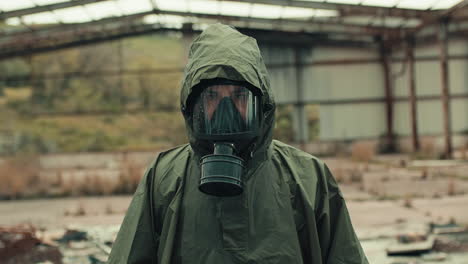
<point>35,39</point>
<point>433,26</point>
<point>46,8</point>
<point>349,9</point>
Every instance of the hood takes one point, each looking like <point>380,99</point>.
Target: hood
<point>221,51</point>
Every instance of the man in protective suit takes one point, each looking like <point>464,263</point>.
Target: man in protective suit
<point>234,195</point>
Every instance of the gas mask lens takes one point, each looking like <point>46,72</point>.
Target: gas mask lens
<point>225,110</point>
<point>224,115</point>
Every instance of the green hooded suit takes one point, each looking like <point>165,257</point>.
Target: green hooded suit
<point>291,210</point>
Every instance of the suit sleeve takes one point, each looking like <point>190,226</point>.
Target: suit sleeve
<point>338,240</point>
<point>136,241</point>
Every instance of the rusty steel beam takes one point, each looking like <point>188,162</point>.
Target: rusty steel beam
<point>304,38</point>
<point>455,8</point>
<point>389,107</point>
<point>442,16</point>
<point>75,38</point>
<point>431,39</point>
<point>347,9</point>
<point>80,74</point>
<point>376,100</point>
<point>99,30</point>
<point>73,26</point>
<point>453,14</point>
<point>99,112</point>
<point>315,24</point>
<point>443,39</point>
<point>334,62</point>
<point>427,39</point>
<point>49,41</point>
<point>312,25</point>
<point>412,95</point>
<point>45,8</point>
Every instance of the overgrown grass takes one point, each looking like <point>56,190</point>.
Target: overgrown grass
<point>156,93</point>
<point>99,133</point>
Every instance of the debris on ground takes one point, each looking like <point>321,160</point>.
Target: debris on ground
<point>87,245</point>
<point>449,228</point>
<point>19,245</point>
<point>83,245</point>
<point>411,245</point>
<point>450,244</point>
<point>72,235</point>
<point>441,238</point>
<point>434,256</point>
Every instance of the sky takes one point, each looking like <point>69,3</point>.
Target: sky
<point>125,7</point>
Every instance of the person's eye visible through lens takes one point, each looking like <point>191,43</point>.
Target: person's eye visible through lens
<point>240,94</point>
<point>210,94</point>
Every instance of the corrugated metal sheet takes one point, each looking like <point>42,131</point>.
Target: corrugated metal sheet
<point>430,117</point>
<point>280,63</point>
<point>428,78</point>
<point>340,122</point>
<point>330,53</point>
<point>428,83</point>
<point>334,82</point>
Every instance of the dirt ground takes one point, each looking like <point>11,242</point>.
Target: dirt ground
<point>63,212</point>
<point>384,199</point>
<point>370,217</point>
<point>375,222</point>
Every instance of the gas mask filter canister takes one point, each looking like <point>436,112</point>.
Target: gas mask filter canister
<point>226,116</point>
<point>221,172</point>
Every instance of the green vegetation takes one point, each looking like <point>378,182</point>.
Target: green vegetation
<point>283,123</point>
<point>76,100</point>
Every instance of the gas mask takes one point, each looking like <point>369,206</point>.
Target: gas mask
<point>225,115</point>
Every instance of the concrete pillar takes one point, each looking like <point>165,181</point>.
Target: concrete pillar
<point>299,115</point>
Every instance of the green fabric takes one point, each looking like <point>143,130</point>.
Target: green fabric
<point>291,210</point>
<point>222,52</point>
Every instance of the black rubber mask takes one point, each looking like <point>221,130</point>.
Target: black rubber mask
<point>226,119</point>
<point>225,116</point>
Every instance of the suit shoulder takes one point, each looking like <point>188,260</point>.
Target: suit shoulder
<point>173,153</point>
<point>313,173</point>
<point>170,164</point>
<point>294,153</point>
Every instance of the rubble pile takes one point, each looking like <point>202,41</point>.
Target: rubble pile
<point>67,246</point>
<point>80,247</point>
<point>19,245</point>
<point>450,245</point>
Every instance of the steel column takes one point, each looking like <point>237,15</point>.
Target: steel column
<point>385,54</point>
<point>445,88</point>
<point>188,35</point>
<point>122,99</point>
<point>412,95</point>
<point>299,118</point>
